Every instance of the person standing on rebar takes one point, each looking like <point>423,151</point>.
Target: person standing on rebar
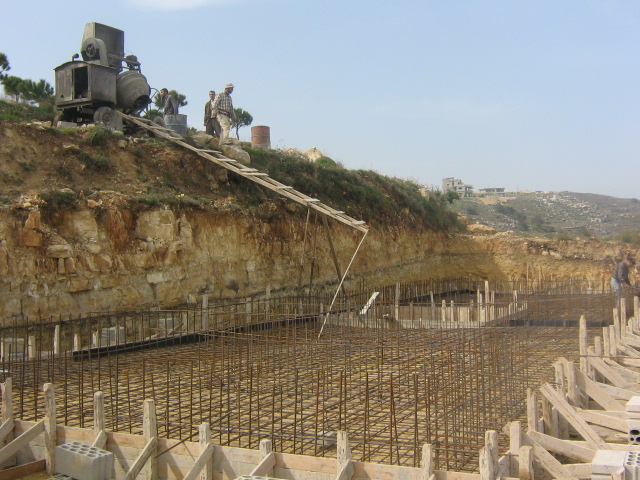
<point>170,103</point>
<point>210,121</point>
<point>223,107</point>
<point>620,278</point>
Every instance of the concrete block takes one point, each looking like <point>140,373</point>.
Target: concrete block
<point>633,405</point>
<point>605,462</point>
<point>61,124</point>
<point>632,466</point>
<point>168,323</point>
<point>12,349</point>
<point>111,336</point>
<point>84,462</point>
<point>326,439</point>
<point>254,477</point>
<point>597,476</point>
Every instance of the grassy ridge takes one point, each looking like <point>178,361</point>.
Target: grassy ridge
<point>363,194</point>
<point>23,112</point>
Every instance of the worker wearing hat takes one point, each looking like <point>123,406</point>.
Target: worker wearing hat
<point>620,277</point>
<point>223,107</point>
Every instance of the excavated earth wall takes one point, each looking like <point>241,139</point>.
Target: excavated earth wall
<point>106,252</point>
<point>96,258</point>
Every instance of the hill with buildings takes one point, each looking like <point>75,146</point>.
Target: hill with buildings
<point>556,214</point>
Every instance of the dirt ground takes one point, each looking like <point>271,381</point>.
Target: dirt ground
<point>35,158</point>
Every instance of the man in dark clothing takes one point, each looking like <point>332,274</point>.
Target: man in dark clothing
<point>210,120</point>
<point>170,104</point>
<point>620,277</point>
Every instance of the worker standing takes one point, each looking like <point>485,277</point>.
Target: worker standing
<point>170,103</point>
<point>210,121</point>
<point>620,278</point>
<point>223,107</point>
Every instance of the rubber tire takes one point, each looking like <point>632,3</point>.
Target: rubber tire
<point>108,117</point>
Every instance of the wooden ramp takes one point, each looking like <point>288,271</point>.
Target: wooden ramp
<point>249,173</point>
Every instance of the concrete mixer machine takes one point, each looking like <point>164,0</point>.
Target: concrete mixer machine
<point>91,89</point>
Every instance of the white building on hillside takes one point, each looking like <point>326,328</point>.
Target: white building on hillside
<point>458,186</point>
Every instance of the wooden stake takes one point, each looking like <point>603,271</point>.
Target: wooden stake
<point>525,464</point>
<point>150,432</point>
<point>426,462</point>
<point>205,441</point>
<point>583,344</point>
<point>345,467</point>
<point>7,413</point>
<point>532,411</point>
<point>50,427</point>
<point>98,420</point>
<point>515,443</point>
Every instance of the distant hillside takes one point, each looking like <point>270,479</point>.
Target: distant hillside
<point>557,214</point>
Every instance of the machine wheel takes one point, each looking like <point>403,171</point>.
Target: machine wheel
<point>108,117</point>
<point>158,121</point>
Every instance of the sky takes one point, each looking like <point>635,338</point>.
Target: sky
<point>520,94</point>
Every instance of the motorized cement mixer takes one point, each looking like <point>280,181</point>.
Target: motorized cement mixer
<point>91,89</point>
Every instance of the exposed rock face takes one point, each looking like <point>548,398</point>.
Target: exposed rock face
<point>480,229</point>
<point>94,259</point>
<point>313,154</point>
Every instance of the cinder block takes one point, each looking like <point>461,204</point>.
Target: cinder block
<point>165,324</point>
<point>84,462</point>
<point>253,477</point>
<point>633,405</point>
<point>326,439</point>
<point>597,476</point>
<point>110,336</point>
<point>605,462</point>
<point>632,466</point>
<point>12,349</point>
<point>634,434</point>
<point>61,124</point>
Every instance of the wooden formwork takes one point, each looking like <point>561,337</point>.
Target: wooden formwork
<point>581,412</point>
<point>31,447</point>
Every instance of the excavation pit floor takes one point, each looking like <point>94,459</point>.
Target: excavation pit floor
<point>392,390</point>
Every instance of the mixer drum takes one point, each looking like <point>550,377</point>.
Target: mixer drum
<point>132,91</point>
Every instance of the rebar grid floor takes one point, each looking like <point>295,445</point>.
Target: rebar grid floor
<point>391,390</point>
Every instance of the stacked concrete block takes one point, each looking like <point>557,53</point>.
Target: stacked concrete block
<point>632,466</point>
<point>84,462</point>
<point>633,420</point>
<point>607,462</point>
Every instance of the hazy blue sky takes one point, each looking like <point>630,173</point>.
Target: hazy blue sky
<point>527,95</point>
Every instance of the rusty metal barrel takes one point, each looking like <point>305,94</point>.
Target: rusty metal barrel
<point>261,136</point>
